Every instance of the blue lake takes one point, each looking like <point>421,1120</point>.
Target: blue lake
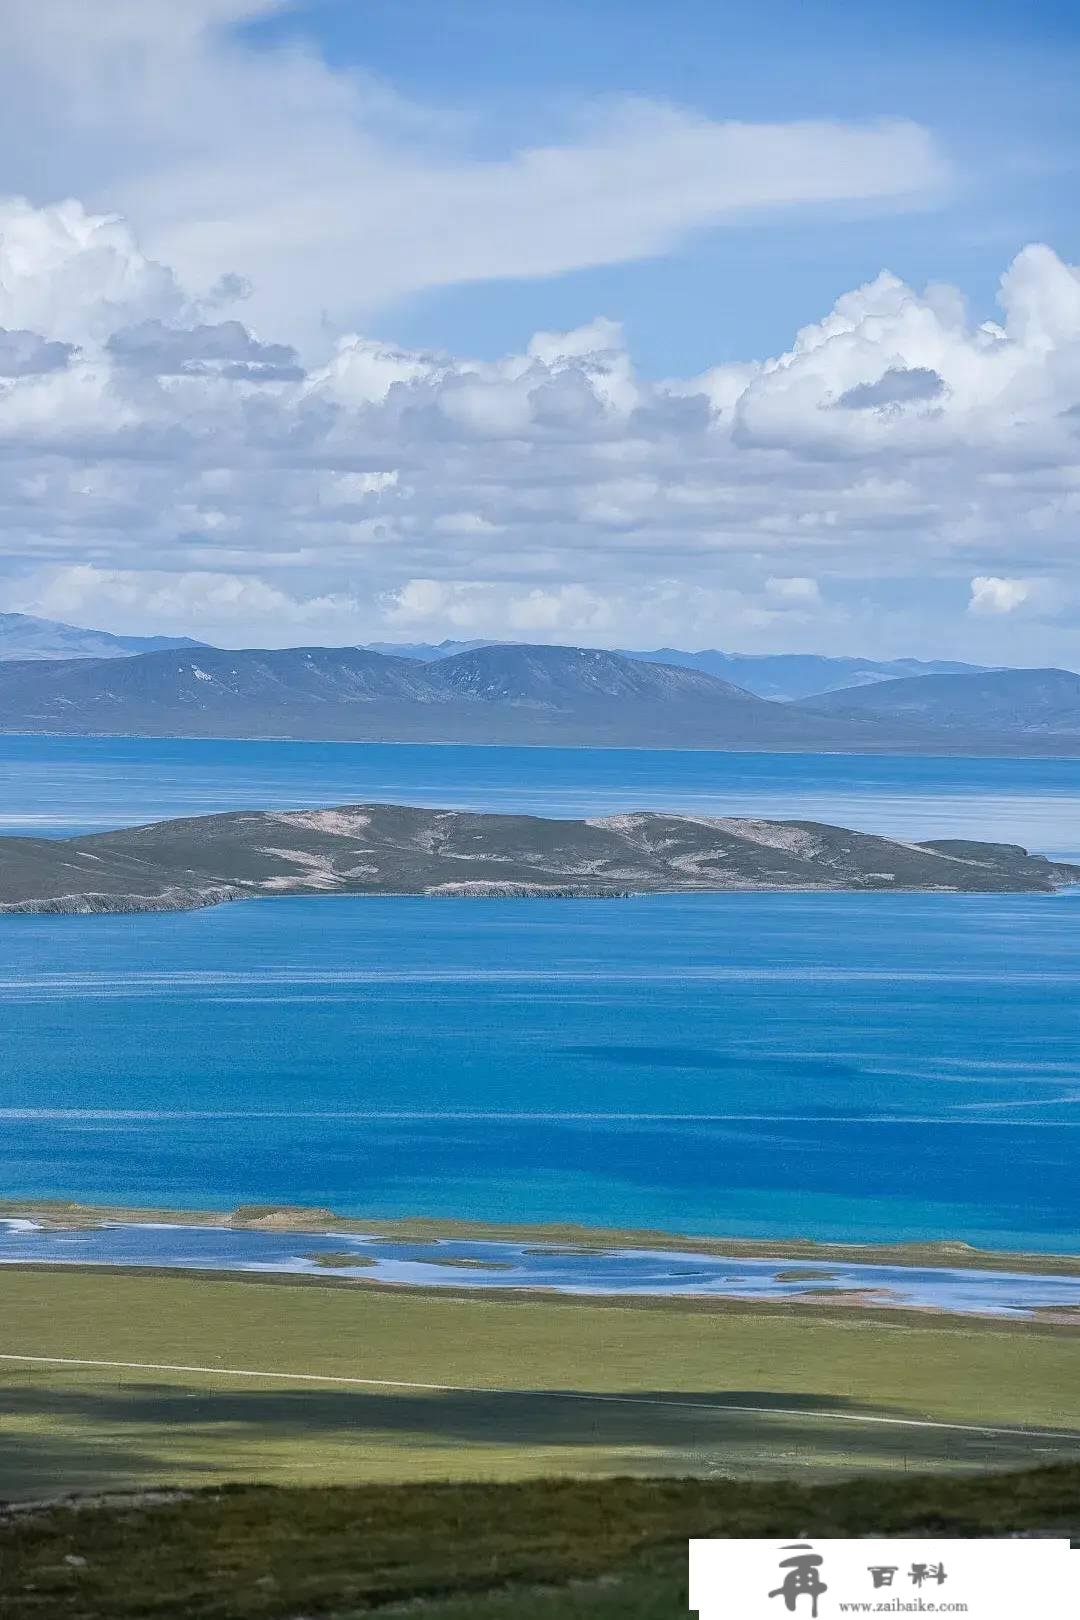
<point>58,785</point>
<point>834,1066</point>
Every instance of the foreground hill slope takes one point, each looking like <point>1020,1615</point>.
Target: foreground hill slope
<point>394,849</point>
<point>1020,702</point>
<point>554,1549</point>
<point>504,694</point>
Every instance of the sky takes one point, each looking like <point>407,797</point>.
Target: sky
<point>623,324</point>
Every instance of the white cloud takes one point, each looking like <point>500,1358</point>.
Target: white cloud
<point>128,599</point>
<point>332,194</point>
<point>362,489</point>
<point>794,588</point>
<point>663,610</point>
<point>223,348</point>
<point>992,595</point>
<point>73,274</point>
<point>363,372</point>
<point>26,354</point>
<point>177,470</point>
<point>600,337</point>
<point>491,609</point>
<point>464,523</point>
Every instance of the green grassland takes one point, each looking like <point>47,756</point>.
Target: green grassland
<point>530,1386</point>
<point>541,1550</point>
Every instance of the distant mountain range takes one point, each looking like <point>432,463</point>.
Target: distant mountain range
<point>494,694</point>
<point>1013,702</point>
<point>428,652</point>
<point>787,676</point>
<point>394,849</point>
<point>503,693</point>
<point>780,676</point>
<point>23,636</point>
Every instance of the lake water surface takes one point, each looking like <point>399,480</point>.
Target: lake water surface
<point>58,785</point>
<point>833,1066</point>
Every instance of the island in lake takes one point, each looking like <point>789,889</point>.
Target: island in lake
<point>390,849</point>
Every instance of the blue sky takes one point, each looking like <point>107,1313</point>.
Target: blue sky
<point>612,323</point>
<point>996,82</point>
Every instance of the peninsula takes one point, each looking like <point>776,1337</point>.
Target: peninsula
<point>390,849</point>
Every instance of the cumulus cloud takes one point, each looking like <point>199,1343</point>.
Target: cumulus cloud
<point>130,598</point>
<point>664,609</point>
<point>898,386</point>
<point>71,273</point>
<point>491,608</point>
<point>993,595</point>
<point>799,499</point>
<point>793,588</point>
<point>26,354</point>
<point>226,348</point>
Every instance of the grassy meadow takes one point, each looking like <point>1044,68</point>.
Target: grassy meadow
<point>750,1391</point>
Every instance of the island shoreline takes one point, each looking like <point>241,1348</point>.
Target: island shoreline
<point>387,850</point>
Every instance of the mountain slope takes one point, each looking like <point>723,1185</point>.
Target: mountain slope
<point>788,676</point>
<point>494,694</point>
<point>23,636</point>
<point>195,693</point>
<point>557,677</point>
<point>779,676</point>
<point>394,849</point>
<point>1019,702</point>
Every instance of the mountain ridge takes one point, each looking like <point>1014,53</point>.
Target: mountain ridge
<point>526,695</point>
<point>786,677</point>
<point>23,637</point>
<point>1026,702</point>
<point>515,694</point>
<point>782,677</point>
